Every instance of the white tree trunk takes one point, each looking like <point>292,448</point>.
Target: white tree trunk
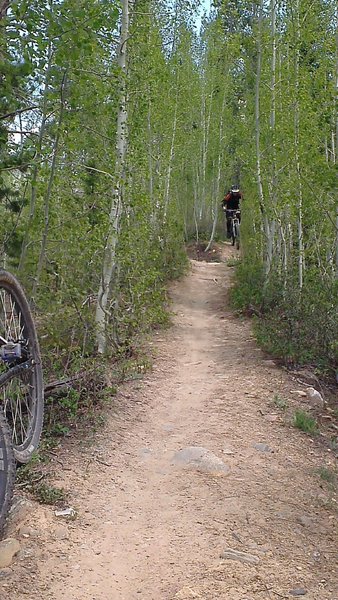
<point>35,170</point>
<point>337,243</point>
<point>301,257</point>
<point>335,145</point>
<point>109,260</point>
<point>272,227</point>
<point>218,180</point>
<point>47,196</point>
<point>266,225</point>
<point>171,156</point>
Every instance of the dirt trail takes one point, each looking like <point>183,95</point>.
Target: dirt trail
<point>148,529</point>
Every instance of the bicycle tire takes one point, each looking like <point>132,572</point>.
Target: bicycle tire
<point>233,234</point>
<point>22,397</point>
<point>7,470</point>
<point>237,236</point>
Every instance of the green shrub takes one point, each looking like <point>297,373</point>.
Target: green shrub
<point>299,326</point>
<point>248,288</point>
<point>302,420</point>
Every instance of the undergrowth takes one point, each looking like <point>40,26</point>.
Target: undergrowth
<point>305,422</point>
<point>35,481</point>
<point>298,326</point>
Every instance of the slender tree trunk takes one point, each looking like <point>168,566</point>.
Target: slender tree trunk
<point>109,261</point>
<point>196,188</point>
<point>336,99</point>
<point>273,131</point>
<point>337,242</point>
<point>171,156</point>
<point>25,242</point>
<point>218,179</point>
<point>4,5</point>
<point>206,119</point>
<point>43,247</point>
<point>150,156</point>
<point>297,157</point>
<point>335,146</point>
<point>266,226</point>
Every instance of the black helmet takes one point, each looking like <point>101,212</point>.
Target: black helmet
<point>235,188</point>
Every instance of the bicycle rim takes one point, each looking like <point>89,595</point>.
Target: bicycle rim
<point>22,397</point>
<point>237,237</point>
<point>7,470</point>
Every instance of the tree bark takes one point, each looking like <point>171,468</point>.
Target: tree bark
<point>218,179</point>
<point>35,171</point>
<point>109,261</point>
<point>43,247</point>
<point>266,225</point>
<point>4,5</point>
<point>301,257</point>
<point>171,156</point>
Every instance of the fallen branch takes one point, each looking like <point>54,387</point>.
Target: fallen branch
<point>59,385</point>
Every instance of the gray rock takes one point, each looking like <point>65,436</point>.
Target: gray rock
<point>6,572</point>
<point>200,459</point>
<point>61,533</point>
<point>298,592</point>
<point>262,447</point>
<point>243,557</point>
<point>26,532</point>
<point>305,521</point>
<point>308,377</point>
<point>8,549</point>
<point>168,427</point>
<point>145,452</point>
<point>315,399</point>
<point>272,418</point>
<point>20,510</point>
<point>270,363</point>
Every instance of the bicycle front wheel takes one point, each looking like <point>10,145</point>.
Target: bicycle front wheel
<point>22,396</point>
<point>7,470</point>
<point>237,235</point>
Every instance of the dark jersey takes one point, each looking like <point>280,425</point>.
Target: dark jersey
<point>232,200</point>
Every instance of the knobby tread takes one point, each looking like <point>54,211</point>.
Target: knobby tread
<point>7,471</point>
<point>10,284</point>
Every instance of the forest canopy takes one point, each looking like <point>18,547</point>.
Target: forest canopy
<point>121,127</point>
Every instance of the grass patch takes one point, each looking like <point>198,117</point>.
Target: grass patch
<point>49,494</point>
<point>30,478</point>
<point>233,262</point>
<point>327,475</point>
<point>280,402</point>
<point>303,421</point>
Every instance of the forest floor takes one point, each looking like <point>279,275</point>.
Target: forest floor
<point>197,486</point>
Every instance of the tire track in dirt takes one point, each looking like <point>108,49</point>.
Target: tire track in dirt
<point>151,531</point>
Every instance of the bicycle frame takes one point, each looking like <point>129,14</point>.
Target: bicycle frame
<point>234,216</point>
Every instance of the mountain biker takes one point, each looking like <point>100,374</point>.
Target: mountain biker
<point>230,202</point>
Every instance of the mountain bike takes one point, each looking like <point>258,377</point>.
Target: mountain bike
<point>21,384</point>
<point>234,216</point>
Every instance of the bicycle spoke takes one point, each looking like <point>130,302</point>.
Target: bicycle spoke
<point>20,368</point>
<point>4,313</point>
<point>20,409</point>
<point>17,396</point>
